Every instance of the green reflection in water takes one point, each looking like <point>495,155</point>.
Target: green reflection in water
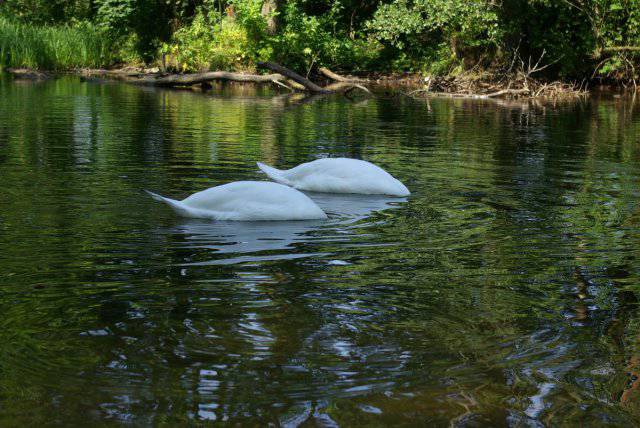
<point>503,291</point>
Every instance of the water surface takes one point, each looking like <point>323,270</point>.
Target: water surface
<point>502,292</point>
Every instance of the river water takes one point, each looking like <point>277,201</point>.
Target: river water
<point>502,292</point>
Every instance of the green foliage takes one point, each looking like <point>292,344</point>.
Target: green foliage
<point>207,44</point>
<point>433,36</point>
<point>115,16</point>
<point>440,32</point>
<point>46,11</point>
<point>149,20</point>
<point>53,47</point>
<point>617,23</point>
<point>249,17</point>
<point>305,40</point>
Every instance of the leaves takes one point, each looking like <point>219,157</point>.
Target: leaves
<point>433,36</point>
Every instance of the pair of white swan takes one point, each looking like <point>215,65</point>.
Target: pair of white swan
<point>263,200</point>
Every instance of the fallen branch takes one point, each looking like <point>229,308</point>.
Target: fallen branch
<point>338,78</point>
<point>178,80</point>
<point>345,87</point>
<point>612,49</point>
<point>113,74</point>
<point>308,84</point>
<point>452,95</point>
<point>295,85</point>
<point>283,85</point>
<point>507,92</point>
<point>197,78</point>
<point>27,74</point>
<point>516,84</point>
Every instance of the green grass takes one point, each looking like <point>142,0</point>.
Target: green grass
<point>53,47</point>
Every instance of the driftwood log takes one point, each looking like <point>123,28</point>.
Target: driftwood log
<point>171,80</point>
<point>503,92</point>
<point>27,74</point>
<point>343,86</point>
<point>338,78</point>
<point>197,78</point>
<point>507,92</point>
<point>308,84</point>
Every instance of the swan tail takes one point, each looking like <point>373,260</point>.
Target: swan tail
<point>273,173</point>
<point>177,206</point>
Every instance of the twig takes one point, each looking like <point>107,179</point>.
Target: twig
<point>283,85</point>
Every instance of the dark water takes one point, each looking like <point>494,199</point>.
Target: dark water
<point>503,291</point>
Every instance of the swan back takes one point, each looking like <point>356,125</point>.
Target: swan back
<point>338,175</point>
<point>247,200</point>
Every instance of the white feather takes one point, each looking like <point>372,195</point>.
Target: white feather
<point>246,201</point>
<point>338,175</point>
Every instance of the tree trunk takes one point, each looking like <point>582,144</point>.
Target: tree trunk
<point>194,79</point>
<point>185,79</point>
<point>269,10</point>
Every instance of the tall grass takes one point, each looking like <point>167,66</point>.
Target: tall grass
<point>53,47</point>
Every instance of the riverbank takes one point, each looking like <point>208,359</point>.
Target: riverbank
<point>518,85</point>
<point>83,49</point>
<point>566,48</point>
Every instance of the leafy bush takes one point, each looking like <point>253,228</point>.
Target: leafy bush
<point>209,44</point>
<point>149,20</point>
<point>305,40</point>
<point>43,12</point>
<point>438,32</point>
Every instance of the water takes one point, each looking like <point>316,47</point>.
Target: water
<point>501,292</point>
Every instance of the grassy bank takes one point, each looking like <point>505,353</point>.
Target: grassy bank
<point>53,47</point>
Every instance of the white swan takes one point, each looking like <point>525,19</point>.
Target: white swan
<point>338,175</point>
<point>246,200</point>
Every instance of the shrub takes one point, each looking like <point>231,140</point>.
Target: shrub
<point>440,33</point>
<point>207,43</point>
<point>306,40</point>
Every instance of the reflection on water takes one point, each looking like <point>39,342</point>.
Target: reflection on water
<point>501,292</point>
<point>268,240</point>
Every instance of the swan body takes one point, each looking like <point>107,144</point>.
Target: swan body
<point>246,201</point>
<point>338,175</point>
